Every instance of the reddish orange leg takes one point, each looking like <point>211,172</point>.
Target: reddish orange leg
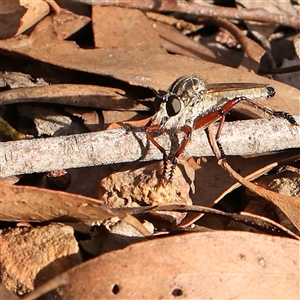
<point>154,128</point>
<point>204,121</point>
<point>215,116</point>
<point>218,136</point>
<point>221,113</point>
<point>188,133</point>
<point>275,113</point>
<point>167,174</point>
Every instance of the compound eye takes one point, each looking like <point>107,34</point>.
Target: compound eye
<point>173,105</point>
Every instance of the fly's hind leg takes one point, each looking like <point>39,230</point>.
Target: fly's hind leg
<point>275,113</point>
<point>217,115</point>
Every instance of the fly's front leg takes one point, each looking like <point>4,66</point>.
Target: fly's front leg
<point>188,132</point>
<point>168,172</point>
<point>155,129</point>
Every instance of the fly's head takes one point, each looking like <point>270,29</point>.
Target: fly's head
<point>169,109</point>
<point>180,105</point>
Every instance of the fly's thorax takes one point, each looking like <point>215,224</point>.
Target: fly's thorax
<point>187,85</point>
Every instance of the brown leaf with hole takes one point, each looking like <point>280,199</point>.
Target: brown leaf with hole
<point>26,251</point>
<point>196,265</point>
<point>24,203</point>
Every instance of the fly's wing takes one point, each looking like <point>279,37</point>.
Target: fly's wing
<point>234,86</point>
<point>229,91</point>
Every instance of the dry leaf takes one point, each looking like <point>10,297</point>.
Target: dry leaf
<point>59,26</point>
<point>297,45</point>
<point>252,221</point>
<point>11,13</point>
<point>259,167</point>
<point>176,42</point>
<point>125,28</point>
<point>17,80</point>
<point>136,123</point>
<point>36,10</point>
<point>197,265</point>
<point>75,95</point>
<point>217,183</point>
<point>288,204</point>
<point>21,203</point>
<point>146,68</point>
<point>89,116</point>
<point>125,118</point>
<point>5,293</point>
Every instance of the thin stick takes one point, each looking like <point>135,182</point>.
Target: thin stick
<point>259,15</point>
<point>130,144</point>
<point>254,50</point>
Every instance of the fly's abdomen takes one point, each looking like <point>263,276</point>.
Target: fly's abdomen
<point>251,93</point>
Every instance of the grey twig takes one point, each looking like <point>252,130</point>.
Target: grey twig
<point>259,15</point>
<point>130,144</point>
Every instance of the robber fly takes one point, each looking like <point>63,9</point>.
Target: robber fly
<point>190,104</point>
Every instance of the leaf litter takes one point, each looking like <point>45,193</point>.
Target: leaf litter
<point>120,65</point>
